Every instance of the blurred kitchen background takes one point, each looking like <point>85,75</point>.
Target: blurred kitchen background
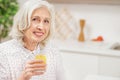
<point>96,54</point>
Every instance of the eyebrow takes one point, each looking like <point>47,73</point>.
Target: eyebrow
<point>40,17</point>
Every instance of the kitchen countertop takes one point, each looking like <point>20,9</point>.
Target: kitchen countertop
<point>101,77</point>
<point>88,47</point>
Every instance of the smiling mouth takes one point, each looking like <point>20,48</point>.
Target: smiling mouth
<point>39,34</point>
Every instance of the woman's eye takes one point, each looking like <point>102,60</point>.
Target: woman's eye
<point>34,19</point>
<point>46,21</point>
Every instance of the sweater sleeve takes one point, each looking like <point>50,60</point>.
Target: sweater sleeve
<point>4,68</point>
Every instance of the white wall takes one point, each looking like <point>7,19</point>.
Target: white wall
<point>100,19</point>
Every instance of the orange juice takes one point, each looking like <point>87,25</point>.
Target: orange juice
<point>41,57</point>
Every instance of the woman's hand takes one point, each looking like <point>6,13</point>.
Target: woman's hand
<point>32,68</point>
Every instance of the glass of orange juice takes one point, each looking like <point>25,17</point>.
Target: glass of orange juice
<point>41,57</point>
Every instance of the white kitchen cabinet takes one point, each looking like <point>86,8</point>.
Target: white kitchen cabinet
<point>83,59</point>
<point>77,65</point>
<point>101,77</point>
<point>109,66</point>
<point>80,65</point>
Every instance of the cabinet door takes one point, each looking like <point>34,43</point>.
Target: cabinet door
<point>109,66</point>
<point>78,66</point>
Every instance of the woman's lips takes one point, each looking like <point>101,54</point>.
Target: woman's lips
<point>38,33</point>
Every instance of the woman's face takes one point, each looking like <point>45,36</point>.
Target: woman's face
<point>40,25</point>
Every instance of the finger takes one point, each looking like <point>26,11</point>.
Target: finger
<point>37,73</point>
<point>35,61</point>
<point>28,75</point>
<point>35,66</point>
<point>35,69</point>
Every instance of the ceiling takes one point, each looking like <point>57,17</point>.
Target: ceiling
<point>111,2</point>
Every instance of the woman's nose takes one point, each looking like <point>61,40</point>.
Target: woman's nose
<point>40,25</point>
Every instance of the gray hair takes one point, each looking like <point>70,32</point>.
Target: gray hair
<point>22,18</point>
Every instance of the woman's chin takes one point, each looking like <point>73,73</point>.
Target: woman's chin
<point>37,39</point>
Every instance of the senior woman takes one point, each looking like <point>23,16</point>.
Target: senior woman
<point>32,28</point>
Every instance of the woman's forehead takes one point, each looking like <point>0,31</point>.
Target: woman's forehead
<point>41,11</point>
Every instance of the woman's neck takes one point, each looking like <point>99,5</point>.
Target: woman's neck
<point>30,45</point>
